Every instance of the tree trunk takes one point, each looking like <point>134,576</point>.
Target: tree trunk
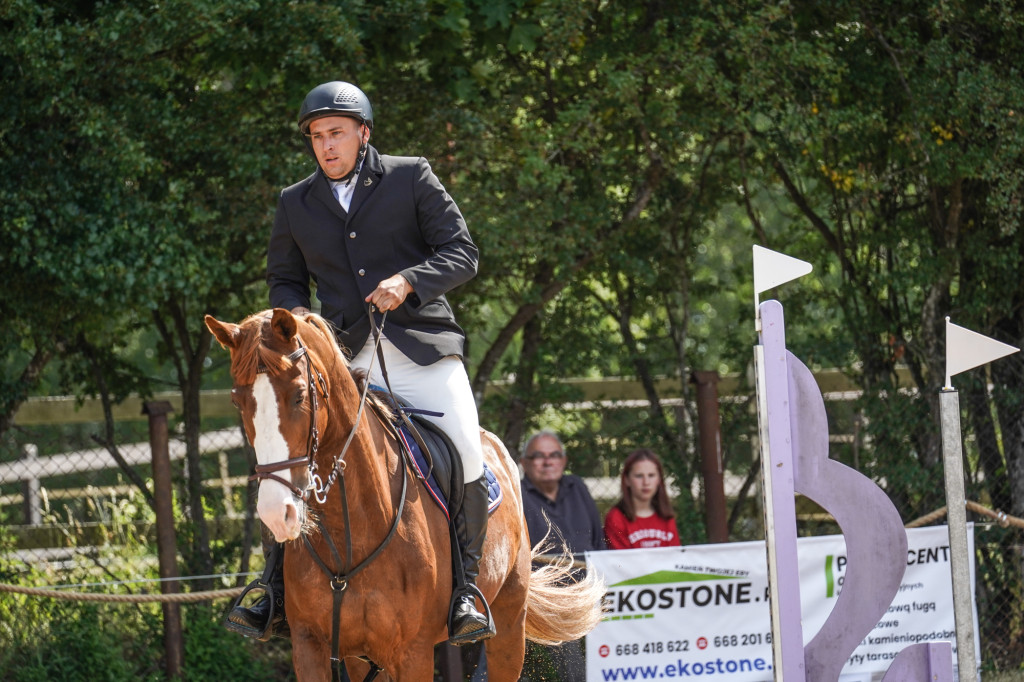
<point>188,356</point>
<point>26,382</point>
<point>513,426</point>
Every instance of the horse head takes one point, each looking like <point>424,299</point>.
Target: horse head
<point>281,392</point>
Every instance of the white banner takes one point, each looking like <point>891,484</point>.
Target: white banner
<point>702,611</point>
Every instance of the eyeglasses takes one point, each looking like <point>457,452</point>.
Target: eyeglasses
<point>557,454</point>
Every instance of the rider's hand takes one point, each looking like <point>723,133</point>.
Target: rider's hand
<point>390,293</point>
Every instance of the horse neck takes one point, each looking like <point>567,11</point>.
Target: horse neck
<point>369,460</point>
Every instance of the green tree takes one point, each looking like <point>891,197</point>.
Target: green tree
<point>893,131</point>
<point>897,145</point>
<point>142,153</point>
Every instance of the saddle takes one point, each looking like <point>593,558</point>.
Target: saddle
<point>435,459</point>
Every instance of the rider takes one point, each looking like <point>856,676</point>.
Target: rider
<point>377,230</point>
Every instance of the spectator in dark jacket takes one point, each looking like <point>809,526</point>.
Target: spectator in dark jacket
<point>550,496</point>
<point>564,498</point>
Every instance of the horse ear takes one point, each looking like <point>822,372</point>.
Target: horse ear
<point>227,334</point>
<point>284,324</point>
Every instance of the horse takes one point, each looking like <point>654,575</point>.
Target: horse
<point>305,413</point>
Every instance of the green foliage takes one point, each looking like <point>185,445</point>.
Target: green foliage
<point>138,169</point>
<point>214,653</point>
<point>83,647</point>
<point>47,638</point>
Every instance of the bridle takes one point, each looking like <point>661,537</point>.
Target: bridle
<point>316,485</point>
<point>269,471</point>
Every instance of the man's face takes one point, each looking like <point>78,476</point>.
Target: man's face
<point>336,141</point>
<point>544,462</point>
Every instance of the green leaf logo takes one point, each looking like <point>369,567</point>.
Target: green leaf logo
<point>662,577</point>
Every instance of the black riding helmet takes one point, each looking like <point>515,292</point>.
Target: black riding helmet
<point>336,98</point>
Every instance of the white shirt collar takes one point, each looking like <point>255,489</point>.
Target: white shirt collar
<point>344,189</point>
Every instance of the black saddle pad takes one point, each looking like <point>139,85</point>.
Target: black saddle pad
<point>443,469</point>
<point>441,451</point>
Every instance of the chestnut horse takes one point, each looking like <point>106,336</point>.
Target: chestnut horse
<point>302,411</point>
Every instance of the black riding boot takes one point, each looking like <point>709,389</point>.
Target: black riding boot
<point>467,624</point>
<point>265,618</point>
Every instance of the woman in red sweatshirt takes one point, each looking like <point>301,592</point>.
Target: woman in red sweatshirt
<point>644,516</point>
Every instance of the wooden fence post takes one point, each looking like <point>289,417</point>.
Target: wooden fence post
<point>709,426</point>
<point>167,548</point>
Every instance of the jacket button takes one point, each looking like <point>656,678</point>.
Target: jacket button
<point>351,235</point>
<point>362,273</point>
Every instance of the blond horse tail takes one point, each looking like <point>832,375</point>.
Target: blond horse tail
<point>561,606</point>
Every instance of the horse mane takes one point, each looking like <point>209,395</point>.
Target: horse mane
<point>380,400</point>
<point>253,355</point>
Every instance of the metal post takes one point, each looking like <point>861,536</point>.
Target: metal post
<point>710,436</point>
<point>167,549</point>
<point>956,517</point>
<point>225,485</point>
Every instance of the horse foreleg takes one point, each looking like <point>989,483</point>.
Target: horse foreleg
<point>311,658</point>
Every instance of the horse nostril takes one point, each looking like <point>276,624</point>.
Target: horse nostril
<point>292,515</point>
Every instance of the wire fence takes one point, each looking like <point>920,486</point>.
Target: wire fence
<point>72,519</point>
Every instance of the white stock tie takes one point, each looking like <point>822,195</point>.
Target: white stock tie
<point>343,191</point>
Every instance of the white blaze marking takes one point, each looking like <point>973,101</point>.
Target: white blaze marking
<point>274,501</point>
<point>269,444</point>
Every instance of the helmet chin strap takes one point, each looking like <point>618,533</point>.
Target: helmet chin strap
<point>347,177</point>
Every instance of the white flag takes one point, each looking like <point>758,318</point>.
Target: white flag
<point>772,268</point>
<point>966,350</point>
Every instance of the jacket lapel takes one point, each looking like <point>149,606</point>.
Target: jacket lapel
<point>368,180</point>
<point>322,191</point>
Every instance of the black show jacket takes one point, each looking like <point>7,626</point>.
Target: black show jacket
<point>401,220</point>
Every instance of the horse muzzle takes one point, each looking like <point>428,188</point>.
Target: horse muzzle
<point>283,513</point>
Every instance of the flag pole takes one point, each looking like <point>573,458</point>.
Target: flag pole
<point>774,434</point>
<point>956,518</point>
<point>965,350</point>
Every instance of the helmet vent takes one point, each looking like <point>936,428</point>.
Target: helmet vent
<point>345,98</point>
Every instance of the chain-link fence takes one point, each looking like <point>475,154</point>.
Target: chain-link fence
<point>77,517</point>
<point>73,517</point>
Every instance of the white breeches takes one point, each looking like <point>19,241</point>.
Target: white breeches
<point>440,387</point>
